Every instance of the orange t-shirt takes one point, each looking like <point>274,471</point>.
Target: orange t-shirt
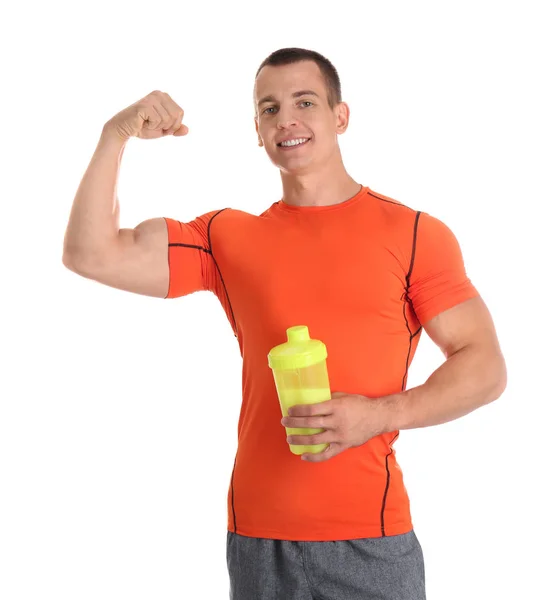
<point>363,275</point>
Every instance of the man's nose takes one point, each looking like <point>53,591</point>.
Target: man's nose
<point>286,119</point>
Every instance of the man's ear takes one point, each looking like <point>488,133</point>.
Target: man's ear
<point>342,117</point>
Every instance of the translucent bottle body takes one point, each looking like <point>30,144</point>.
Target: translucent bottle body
<point>307,385</point>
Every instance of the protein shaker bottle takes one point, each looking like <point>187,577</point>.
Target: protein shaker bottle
<point>301,377</point>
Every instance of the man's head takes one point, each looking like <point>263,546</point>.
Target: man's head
<point>282,112</point>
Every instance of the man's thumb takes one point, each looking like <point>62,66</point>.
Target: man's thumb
<point>182,130</point>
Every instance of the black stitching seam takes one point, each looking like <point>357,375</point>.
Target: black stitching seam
<point>220,275</point>
<point>235,332</point>
<point>189,246</point>
<point>233,495</point>
<point>209,251</point>
<point>406,299</point>
<point>389,201</point>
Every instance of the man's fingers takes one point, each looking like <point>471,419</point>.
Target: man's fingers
<point>174,110</point>
<point>174,127</point>
<point>317,438</point>
<point>317,422</point>
<point>162,117</point>
<point>333,450</point>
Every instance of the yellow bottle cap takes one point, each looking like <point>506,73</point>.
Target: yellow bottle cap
<point>298,352</point>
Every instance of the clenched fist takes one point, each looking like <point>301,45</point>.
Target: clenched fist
<point>154,116</point>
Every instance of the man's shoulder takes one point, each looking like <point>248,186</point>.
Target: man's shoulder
<point>399,216</point>
<point>238,214</point>
<point>230,221</point>
<point>387,202</point>
<point>394,214</point>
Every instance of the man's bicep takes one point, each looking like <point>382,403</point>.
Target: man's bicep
<point>467,323</point>
<point>438,279</point>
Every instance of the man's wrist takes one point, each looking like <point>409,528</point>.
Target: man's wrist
<point>111,136</point>
<point>396,411</point>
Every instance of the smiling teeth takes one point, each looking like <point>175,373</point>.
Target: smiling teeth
<point>294,142</point>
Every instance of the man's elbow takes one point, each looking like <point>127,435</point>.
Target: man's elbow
<point>499,378</point>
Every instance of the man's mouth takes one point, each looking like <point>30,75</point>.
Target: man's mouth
<point>296,143</point>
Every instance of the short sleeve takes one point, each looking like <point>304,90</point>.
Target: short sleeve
<point>438,279</point>
<point>189,256</point>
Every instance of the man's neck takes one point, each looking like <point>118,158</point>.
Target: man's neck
<point>315,189</point>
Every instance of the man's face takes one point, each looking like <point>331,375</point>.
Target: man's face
<point>280,115</point>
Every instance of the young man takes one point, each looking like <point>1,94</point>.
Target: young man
<point>366,274</point>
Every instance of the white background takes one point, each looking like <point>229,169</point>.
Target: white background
<point>118,414</point>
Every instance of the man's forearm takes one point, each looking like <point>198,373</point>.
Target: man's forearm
<point>470,378</point>
<point>94,217</point>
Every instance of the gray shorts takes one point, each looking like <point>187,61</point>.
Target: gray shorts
<point>383,568</point>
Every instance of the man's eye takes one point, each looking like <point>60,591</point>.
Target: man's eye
<point>267,109</point>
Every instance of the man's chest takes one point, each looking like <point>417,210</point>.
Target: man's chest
<point>319,268</point>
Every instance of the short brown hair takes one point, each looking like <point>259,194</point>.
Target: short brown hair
<point>287,56</point>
